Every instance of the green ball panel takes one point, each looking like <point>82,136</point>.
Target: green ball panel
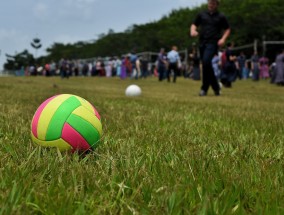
<point>60,116</point>
<point>86,129</point>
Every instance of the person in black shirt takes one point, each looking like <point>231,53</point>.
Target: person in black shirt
<point>214,30</point>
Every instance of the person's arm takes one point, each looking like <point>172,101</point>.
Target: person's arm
<point>226,34</point>
<point>237,63</point>
<point>193,30</point>
<point>165,60</point>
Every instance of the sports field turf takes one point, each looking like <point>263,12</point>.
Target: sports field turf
<point>168,151</point>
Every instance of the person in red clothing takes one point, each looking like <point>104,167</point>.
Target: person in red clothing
<point>263,67</point>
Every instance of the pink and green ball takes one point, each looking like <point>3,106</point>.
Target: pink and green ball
<point>67,122</point>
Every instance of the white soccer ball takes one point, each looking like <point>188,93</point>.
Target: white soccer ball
<point>40,69</point>
<point>133,90</point>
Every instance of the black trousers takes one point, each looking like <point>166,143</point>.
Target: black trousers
<point>207,52</point>
<point>172,67</point>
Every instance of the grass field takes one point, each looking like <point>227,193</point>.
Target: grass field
<point>168,151</point>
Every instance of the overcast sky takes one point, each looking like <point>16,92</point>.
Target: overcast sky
<point>69,21</point>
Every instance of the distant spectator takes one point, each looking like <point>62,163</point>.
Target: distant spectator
<point>255,66</point>
<point>134,72</point>
<point>103,70</point>
<point>27,71</point>
<point>63,68</point>
<point>99,67</point>
<point>215,65</point>
<point>123,71</point>
<point>93,70</point>
<point>195,64</point>
<point>144,67</point>
<point>90,65</point>
<point>85,69</point>
<point>80,65</point>
<point>229,72</point>
<point>52,68</point>
<point>47,70</point>
<point>264,67</point>
<point>279,69</point>
<point>118,66</point>
<point>162,64</point>
<point>108,68</point>
<point>76,68</point>
<point>21,71</point>
<point>241,59</point>
<point>113,66</point>
<point>246,70</point>
<point>129,66</point>
<point>32,70</point>
<point>173,59</point>
<point>154,70</point>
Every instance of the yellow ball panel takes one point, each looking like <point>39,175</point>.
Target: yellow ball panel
<point>48,113</point>
<point>89,117</point>
<point>85,103</point>
<point>60,143</point>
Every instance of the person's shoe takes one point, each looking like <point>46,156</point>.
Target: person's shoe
<point>228,85</point>
<point>202,93</point>
<point>217,93</point>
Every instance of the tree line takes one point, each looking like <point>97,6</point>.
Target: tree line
<point>249,20</point>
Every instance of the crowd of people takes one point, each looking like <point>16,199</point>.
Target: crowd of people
<point>128,66</point>
<point>227,67</point>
